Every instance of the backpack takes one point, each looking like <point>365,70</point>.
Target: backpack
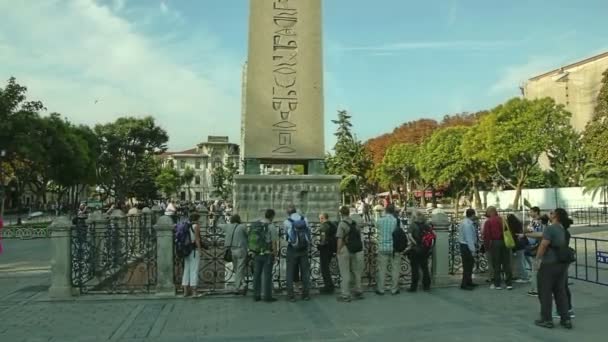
<point>330,236</point>
<point>258,240</point>
<point>353,238</point>
<point>300,239</point>
<point>183,241</point>
<point>399,239</point>
<point>428,237</point>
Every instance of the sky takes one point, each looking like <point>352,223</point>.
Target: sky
<point>386,62</point>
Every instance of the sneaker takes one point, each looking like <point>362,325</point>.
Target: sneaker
<point>494,287</point>
<point>532,293</point>
<point>343,299</point>
<point>544,324</point>
<point>306,298</point>
<point>358,296</point>
<point>379,293</point>
<point>571,312</point>
<point>394,293</point>
<point>509,287</point>
<point>566,324</point>
<point>466,288</point>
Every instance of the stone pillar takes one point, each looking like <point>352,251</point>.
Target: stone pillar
<point>61,259</point>
<point>441,252</point>
<point>96,225</point>
<point>164,257</point>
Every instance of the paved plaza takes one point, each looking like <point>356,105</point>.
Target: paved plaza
<point>447,314</point>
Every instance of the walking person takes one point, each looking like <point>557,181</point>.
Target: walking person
<point>236,240</point>
<point>299,238</point>
<point>350,256</point>
<point>387,225</point>
<point>552,271</point>
<point>419,253</point>
<point>192,261</point>
<point>493,238</point>
<point>327,249</point>
<point>467,237</point>
<point>263,244</point>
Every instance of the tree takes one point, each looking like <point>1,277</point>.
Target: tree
<point>567,160</point>
<point>187,178</point>
<point>596,181</point>
<point>595,137</point>
<point>398,167</point>
<point>126,146</point>
<point>223,180</point>
<point>514,135</point>
<point>168,181</point>
<point>350,159</point>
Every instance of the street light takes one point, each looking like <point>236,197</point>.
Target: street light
<point>2,155</point>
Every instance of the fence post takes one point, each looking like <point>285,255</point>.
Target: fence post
<point>164,257</point>
<point>61,259</point>
<point>441,252</point>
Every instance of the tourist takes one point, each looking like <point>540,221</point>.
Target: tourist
<point>327,249</point>
<point>350,256</point>
<point>236,240</point>
<point>263,244</point>
<point>419,254</point>
<point>191,262</point>
<point>552,274</point>
<point>519,261</point>
<point>494,242</point>
<point>386,225</point>
<point>171,211</point>
<point>467,237</point>
<point>299,237</point>
<point>534,234</point>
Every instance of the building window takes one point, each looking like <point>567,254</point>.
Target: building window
<point>182,164</point>
<point>197,180</point>
<point>206,164</point>
<point>217,163</point>
<point>197,165</point>
<point>182,195</point>
<point>197,195</point>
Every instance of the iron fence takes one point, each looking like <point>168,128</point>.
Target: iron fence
<point>217,276</point>
<point>27,232</point>
<point>455,258</point>
<point>117,255</point>
<point>591,260</point>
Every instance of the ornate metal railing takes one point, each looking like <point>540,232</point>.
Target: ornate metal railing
<point>217,276</point>
<point>115,255</point>
<point>36,231</point>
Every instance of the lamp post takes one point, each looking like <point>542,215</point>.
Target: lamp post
<point>2,154</point>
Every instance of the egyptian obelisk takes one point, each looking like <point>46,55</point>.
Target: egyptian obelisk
<point>283,118</point>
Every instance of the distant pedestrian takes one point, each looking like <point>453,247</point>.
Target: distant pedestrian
<point>350,256</point>
<point>236,240</point>
<point>192,261</point>
<point>299,237</point>
<point>419,254</point>
<point>327,249</point>
<point>467,237</point>
<point>493,230</point>
<point>387,225</point>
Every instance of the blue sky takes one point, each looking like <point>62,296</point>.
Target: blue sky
<point>387,62</point>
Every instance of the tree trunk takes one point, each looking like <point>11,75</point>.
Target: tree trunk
<point>518,190</point>
<point>476,197</point>
<point>457,211</point>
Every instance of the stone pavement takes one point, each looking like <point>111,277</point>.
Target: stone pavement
<point>447,314</point>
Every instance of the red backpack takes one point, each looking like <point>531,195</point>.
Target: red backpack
<point>428,237</point>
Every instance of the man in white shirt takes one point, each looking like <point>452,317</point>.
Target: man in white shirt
<point>467,237</point>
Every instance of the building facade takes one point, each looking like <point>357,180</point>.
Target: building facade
<point>576,86</point>
<point>202,159</point>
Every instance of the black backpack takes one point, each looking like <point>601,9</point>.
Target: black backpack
<point>353,238</point>
<point>399,239</point>
<point>330,236</point>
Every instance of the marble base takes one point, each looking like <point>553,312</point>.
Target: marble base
<point>311,194</point>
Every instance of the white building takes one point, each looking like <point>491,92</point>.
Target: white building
<point>203,159</point>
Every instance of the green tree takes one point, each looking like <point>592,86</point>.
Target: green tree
<point>223,180</point>
<point>514,135</point>
<point>168,181</point>
<point>127,146</point>
<point>567,160</point>
<point>595,137</point>
<point>351,159</point>
<point>398,168</point>
<point>187,178</point>
<point>596,181</point>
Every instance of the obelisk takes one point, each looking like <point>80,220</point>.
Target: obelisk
<point>283,115</point>
<point>284,89</point>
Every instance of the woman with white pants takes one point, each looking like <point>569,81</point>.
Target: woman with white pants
<point>191,262</point>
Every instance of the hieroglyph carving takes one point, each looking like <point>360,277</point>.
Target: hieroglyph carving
<point>284,68</point>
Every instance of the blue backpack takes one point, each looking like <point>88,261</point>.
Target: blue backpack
<point>183,241</point>
<point>299,241</point>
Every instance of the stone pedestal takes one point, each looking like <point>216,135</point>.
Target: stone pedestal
<point>164,257</point>
<point>61,259</point>
<point>311,194</point>
<point>441,252</point>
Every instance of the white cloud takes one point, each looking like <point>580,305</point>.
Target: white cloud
<point>118,5</point>
<point>436,45</point>
<point>70,53</point>
<point>516,75</point>
<point>163,7</point>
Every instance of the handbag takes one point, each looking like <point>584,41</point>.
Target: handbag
<point>507,236</point>
<point>565,254</point>
<point>228,252</point>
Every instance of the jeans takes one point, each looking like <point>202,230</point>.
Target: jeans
<point>501,261</point>
<point>533,274</point>
<point>420,261</point>
<point>299,259</point>
<point>467,265</point>
<point>239,263</point>
<point>520,265</point>
<point>394,260</point>
<point>325,256</point>
<point>552,279</point>
<point>263,267</point>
